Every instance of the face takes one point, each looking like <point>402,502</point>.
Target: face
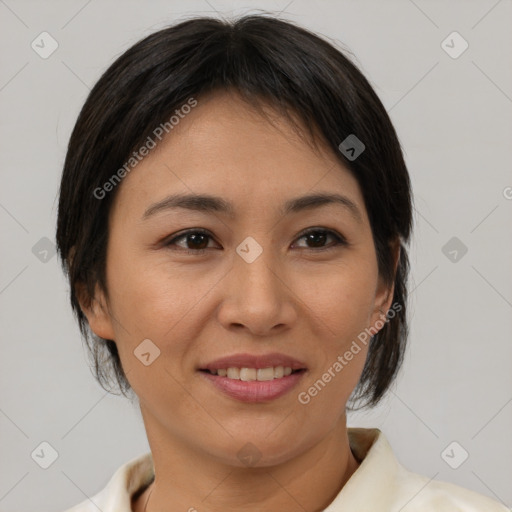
<point>255,280</point>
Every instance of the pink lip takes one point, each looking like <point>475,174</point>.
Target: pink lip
<point>254,391</point>
<point>254,361</point>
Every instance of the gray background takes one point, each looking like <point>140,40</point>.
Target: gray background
<point>453,117</point>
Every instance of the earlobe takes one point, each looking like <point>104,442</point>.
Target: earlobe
<point>383,301</point>
<point>96,311</point>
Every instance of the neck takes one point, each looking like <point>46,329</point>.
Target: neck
<point>187,480</point>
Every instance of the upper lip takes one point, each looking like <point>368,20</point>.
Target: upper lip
<point>254,361</point>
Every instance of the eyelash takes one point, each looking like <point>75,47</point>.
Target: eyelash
<point>339,240</point>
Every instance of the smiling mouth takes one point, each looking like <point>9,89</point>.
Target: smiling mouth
<point>254,374</point>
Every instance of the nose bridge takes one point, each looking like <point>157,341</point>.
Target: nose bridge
<point>255,271</point>
<point>257,297</point>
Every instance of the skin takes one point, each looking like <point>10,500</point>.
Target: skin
<point>296,298</point>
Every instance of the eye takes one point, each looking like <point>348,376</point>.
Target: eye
<point>196,241</point>
<point>318,236</point>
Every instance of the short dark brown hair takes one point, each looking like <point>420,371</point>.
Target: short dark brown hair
<point>266,60</point>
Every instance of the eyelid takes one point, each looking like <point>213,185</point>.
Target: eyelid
<point>167,241</point>
<point>340,240</point>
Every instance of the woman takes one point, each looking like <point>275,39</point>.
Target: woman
<point>233,218</point>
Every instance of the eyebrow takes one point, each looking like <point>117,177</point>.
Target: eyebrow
<point>208,203</point>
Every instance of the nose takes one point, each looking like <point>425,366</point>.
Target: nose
<point>259,297</point>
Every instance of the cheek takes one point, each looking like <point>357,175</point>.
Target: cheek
<point>151,296</point>
<point>341,296</point>
<point>342,300</point>
<point>152,293</point>
<point>342,307</point>
<point>165,303</point>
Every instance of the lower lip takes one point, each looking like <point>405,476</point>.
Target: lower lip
<point>254,390</point>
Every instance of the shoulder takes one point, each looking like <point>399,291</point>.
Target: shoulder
<point>418,493</point>
<point>382,483</point>
<point>124,483</point>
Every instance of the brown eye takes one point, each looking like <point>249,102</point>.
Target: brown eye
<point>316,239</point>
<point>195,241</point>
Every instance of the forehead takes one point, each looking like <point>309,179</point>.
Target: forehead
<point>225,147</point>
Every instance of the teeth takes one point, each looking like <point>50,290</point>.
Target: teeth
<point>265,374</point>
<point>250,374</point>
<point>247,374</point>
<point>233,373</point>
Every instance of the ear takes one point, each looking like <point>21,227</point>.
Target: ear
<point>96,311</point>
<point>385,291</point>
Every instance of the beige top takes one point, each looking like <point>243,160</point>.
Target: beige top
<point>380,484</point>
